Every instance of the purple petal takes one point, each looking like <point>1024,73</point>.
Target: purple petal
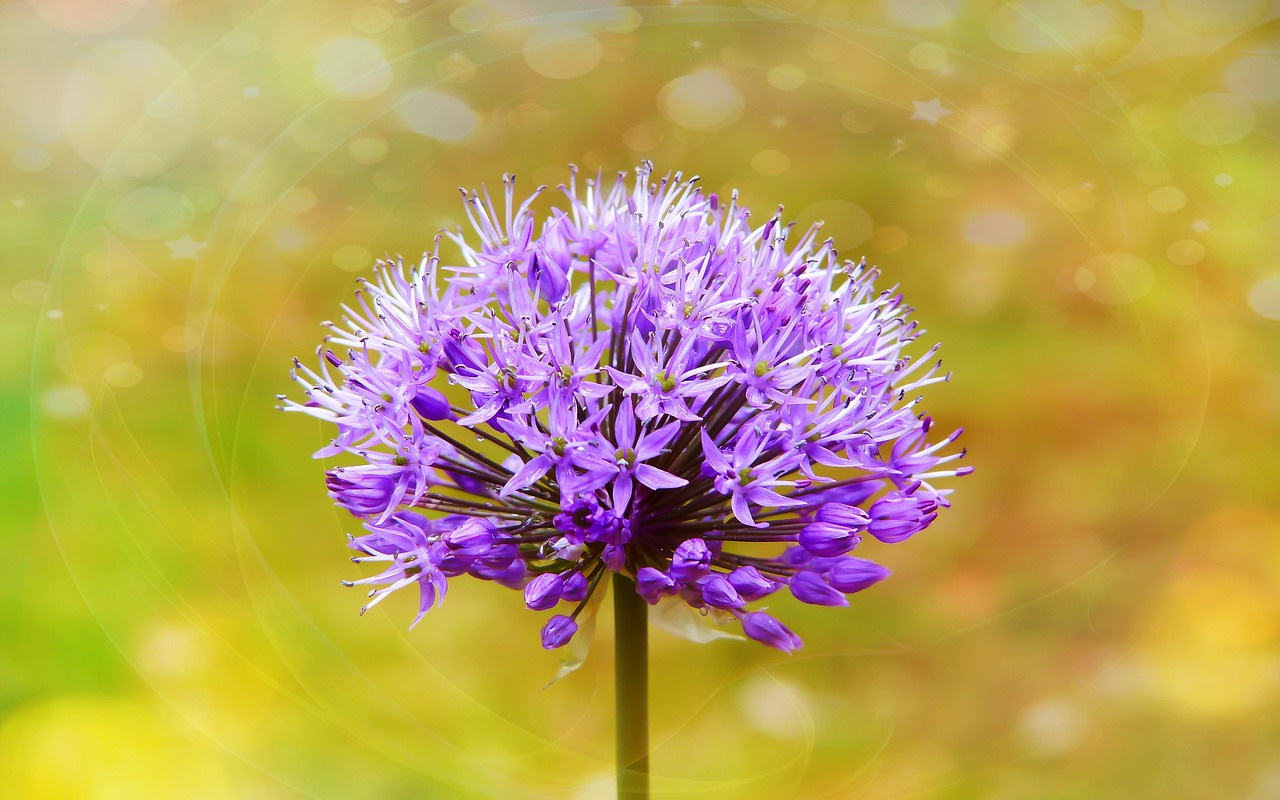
<point>621,492</point>
<point>625,427</point>
<point>712,453</point>
<point>654,443</point>
<point>742,510</point>
<point>655,478</point>
<point>527,475</point>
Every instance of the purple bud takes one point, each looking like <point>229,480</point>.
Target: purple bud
<point>544,591</point>
<point>691,560</point>
<point>812,589</point>
<point>615,557</point>
<point>453,565</point>
<point>332,359</point>
<point>510,574</point>
<point>719,592</point>
<point>853,494</point>
<point>558,631</point>
<point>367,496</point>
<point>691,594</point>
<point>460,353</point>
<point>828,540</point>
<point>750,584</point>
<point>652,584</point>
<point>552,281</point>
<point>855,574</point>
<point>898,516</point>
<point>465,482</point>
<point>575,588</point>
<point>764,628</point>
<point>844,515</point>
<point>472,539</point>
<point>502,553</point>
<point>431,404</point>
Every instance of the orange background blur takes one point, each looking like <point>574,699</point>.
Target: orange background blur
<point>1081,199</point>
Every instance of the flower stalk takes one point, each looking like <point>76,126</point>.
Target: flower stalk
<point>631,670</point>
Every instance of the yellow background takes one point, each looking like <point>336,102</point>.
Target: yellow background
<point>1082,200</point>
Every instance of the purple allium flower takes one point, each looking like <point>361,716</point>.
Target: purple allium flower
<point>648,385</point>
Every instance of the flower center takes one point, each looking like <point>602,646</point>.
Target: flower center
<point>626,456</point>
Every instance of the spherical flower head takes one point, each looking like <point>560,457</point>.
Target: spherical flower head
<point>639,381</point>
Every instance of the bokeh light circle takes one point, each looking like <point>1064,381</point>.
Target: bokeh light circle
<point>437,115</point>
<point>352,68</point>
<point>844,221</point>
<point>1254,77</point>
<point>88,17</point>
<point>770,162</point>
<point>150,213</point>
<point>1216,18</point>
<point>995,228</point>
<point>562,53</point>
<point>1264,296</point>
<point>1115,278</point>
<point>89,357</point>
<point>787,77</point>
<point>114,84</point>
<point>1185,252</point>
<point>368,149</point>
<point>1039,25</point>
<point>1166,199</point>
<point>1216,119</point>
<point>704,100</point>
<point>352,258</point>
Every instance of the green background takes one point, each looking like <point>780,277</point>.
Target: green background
<point>1079,198</point>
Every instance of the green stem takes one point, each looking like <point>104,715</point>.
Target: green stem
<point>631,669</point>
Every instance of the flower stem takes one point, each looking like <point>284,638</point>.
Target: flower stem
<point>631,670</point>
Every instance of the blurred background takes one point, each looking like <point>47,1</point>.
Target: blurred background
<point>1079,197</point>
